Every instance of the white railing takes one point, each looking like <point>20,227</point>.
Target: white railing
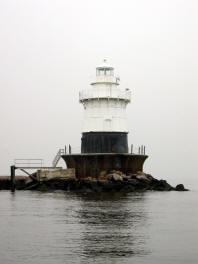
<point>105,79</point>
<point>103,92</point>
<point>28,162</point>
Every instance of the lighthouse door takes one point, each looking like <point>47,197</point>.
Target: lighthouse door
<point>107,124</point>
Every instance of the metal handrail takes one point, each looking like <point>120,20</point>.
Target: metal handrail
<point>28,162</point>
<point>137,150</point>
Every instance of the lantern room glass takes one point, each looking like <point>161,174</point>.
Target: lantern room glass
<point>103,72</point>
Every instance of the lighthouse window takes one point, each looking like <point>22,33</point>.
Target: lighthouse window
<point>107,72</point>
<point>102,72</point>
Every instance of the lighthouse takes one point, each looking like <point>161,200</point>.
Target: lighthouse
<point>105,123</point>
<point>104,139</point>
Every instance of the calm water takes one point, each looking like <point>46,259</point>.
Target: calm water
<point>60,227</point>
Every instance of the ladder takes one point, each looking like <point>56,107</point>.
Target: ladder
<point>57,157</point>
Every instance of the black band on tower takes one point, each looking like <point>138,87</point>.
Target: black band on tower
<point>104,142</point>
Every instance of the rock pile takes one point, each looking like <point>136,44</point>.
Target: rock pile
<point>113,181</point>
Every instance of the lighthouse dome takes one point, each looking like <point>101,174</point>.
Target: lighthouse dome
<point>105,65</point>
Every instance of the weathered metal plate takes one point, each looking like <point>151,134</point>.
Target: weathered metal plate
<point>90,165</point>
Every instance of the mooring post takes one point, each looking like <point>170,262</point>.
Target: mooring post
<point>131,148</point>
<point>12,178</point>
<point>142,150</point>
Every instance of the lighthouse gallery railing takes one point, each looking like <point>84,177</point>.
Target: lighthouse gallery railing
<point>103,92</point>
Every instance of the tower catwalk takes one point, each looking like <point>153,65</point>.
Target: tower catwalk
<point>105,124</point>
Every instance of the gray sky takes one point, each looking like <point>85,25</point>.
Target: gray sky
<point>49,50</point>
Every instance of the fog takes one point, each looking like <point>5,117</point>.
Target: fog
<point>49,51</point>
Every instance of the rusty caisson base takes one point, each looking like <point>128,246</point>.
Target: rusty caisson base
<point>91,164</point>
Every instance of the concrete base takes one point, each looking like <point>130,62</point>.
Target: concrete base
<point>46,175</point>
<point>91,164</point>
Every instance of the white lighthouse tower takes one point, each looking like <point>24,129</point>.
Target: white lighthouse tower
<point>105,124</point>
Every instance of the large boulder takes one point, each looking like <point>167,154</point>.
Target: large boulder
<point>102,175</point>
<point>143,177</point>
<point>180,187</point>
<point>162,185</point>
<point>116,172</point>
<point>114,177</point>
<point>133,182</point>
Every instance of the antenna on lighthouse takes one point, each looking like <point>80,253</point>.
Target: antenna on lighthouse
<point>117,79</point>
